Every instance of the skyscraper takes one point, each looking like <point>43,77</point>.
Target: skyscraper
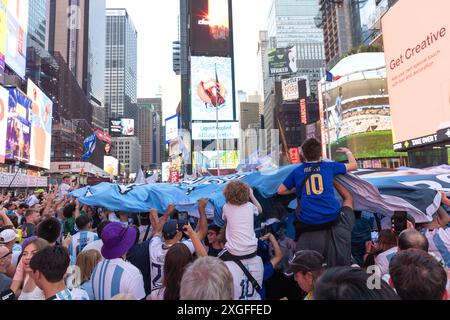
<point>149,130</point>
<point>121,65</point>
<point>341,27</point>
<point>37,23</point>
<point>76,29</point>
<point>291,24</point>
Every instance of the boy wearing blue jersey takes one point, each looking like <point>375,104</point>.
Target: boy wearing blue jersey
<point>313,184</point>
<point>321,224</point>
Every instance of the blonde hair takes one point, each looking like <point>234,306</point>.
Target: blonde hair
<point>87,261</point>
<point>237,193</point>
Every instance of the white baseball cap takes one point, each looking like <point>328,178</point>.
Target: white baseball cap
<point>7,236</point>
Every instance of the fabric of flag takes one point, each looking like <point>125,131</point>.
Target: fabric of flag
<point>331,77</point>
<point>89,144</point>
<point>415,194</point>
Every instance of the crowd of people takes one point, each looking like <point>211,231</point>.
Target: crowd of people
<point>54,248</point>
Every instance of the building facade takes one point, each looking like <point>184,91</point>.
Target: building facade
<point>128,151</point>
<point>121,66</point>
<point>149,126</point>
<point>341,25</point>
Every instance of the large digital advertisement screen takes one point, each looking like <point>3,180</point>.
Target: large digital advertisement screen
<point>111,166</point>
<point>282,61</point>
<point>4,102</point>
<point>41,127</point>
<point>212,88</point>
<point>121,128</point>
<point>13,34</point>
<point>210,28</point>
<point>18,136</point>
<point>416,38</point>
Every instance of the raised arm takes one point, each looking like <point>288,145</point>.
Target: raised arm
<point>345,194</point>
<point>4,217</point>
<point>202,226</point>
<point>276,247</point>
<point>199,248</point>
<point>352,164</point>
<point>255,201</point>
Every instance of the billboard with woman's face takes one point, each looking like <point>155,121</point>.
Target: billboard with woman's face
<point>18,136</point>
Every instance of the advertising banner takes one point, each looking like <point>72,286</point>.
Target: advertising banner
<point>122,128</point>
<point>13,34</point>
<point>19,126</point>
<point>111,165</point>
<point>282,61</point>
<point>208,131</point>
<point>418,67</point>
<point>210,28</point>
<point>171,128</point>
<point>4,101</point>
<point>212,88</point>
<point>41,127</point>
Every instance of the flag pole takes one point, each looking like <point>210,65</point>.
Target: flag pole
<point>217,122</point>
<point>330,156</point>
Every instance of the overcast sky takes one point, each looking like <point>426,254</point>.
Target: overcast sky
<point>157,26</point>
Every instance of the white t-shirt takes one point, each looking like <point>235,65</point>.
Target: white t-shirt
<point>112,277</point>
<point>74,294</point>
<point>157,257</point>
<point>439,241</point>
<point>32,200</point>
<point>240,232</point>
<point>95,245</point>
<point>158,294</point>
<point>384,259</point>
<point>243,288</point>
<point>63,190</point>
<point>79,241</point>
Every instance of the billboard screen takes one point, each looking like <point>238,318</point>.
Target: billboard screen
<point>13,34</point>
<point>417,70</point>
<point>111,165</point>
<point>121,128</point>
<point>208,159</point>
<point>210,28</point>
<point>212,87</point>
<point>171,128</point>
<point>41,127</point>
<point>4,101</point>
<point>282,61</point>
<point>208,131</point>
<point>18,136</point>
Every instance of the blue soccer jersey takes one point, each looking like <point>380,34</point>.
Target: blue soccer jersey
<point>318,202</point>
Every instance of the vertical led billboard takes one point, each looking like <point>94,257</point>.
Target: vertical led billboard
<point>4,101</point>
<point>210,28</point>
<point>416,37</point>
<point>13,34</point>
<point>18,136</point>
<point>211,88</point>
<point>41,127</point>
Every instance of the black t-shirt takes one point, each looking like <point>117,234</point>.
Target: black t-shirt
<point>213,252</point>
<point>139,256</point>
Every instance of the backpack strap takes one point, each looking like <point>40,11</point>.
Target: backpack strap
<point>226,256</point>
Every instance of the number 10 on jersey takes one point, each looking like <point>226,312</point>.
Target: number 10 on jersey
<point>314,185</point>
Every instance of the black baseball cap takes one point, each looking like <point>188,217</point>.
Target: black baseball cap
<point>305,261</point>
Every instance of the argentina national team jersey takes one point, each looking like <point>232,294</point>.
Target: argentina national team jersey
<point>113,277</point>
<point>157,257</point>
<point>318,201</point>
<point>79,241</point>
<point>75,294</point>
<point>243,288</point>
<point>439,241</point>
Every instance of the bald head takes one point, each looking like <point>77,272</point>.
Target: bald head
<point>412,239</point>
